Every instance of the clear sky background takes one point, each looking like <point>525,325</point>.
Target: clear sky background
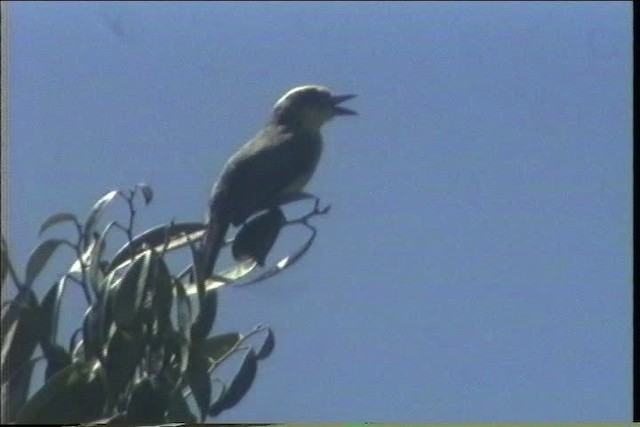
<point>476,265</point>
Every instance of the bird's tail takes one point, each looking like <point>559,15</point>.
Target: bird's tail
<point>213,239</point>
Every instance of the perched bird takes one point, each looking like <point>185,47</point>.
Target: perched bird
<point>280,159</point>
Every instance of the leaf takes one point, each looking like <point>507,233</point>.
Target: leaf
<point>163,293</point>
<point>128,297</point>
<point>196,273</point>
<point>94,273</point>
<point>199,381</point>
<point>239,385</point>
<point>92,335</point>
<point>4,261</point>
<point>57,219</point>
<point>57,359</point>
<point>20,331</point>
<point>206,316</point>
<point>227,277</point>
<point>178,345</point>
<point>148,403</point>
<point>39,258</point>
<point>77,352</point>
<point>155,238</point>
<point>123,355</point>
<point>256,238</point>
<point>217,346</point>
<point>76,267</point>
<point>16,389</point>
<point>179,410</point>
<point>73,395</point>
<point>95,214</point>
<point>184,311</point>
<point>49,311</point>
<point>285,262</point>
<point>147,192</point>
<point>267,346</point>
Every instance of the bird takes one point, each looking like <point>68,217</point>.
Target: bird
<point>279,160</point>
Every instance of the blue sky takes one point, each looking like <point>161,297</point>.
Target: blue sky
<point>476,265</point>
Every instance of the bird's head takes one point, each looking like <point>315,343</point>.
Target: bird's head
<point>310,107</point>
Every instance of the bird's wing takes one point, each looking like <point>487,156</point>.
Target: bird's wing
<point>272,163</point>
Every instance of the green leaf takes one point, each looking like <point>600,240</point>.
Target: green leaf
<point>184,311</point>
<point>156,238</point>
<point>147,192</point>
<point>178,345</point>
<point>123,355</point>
<point>95,214</point>
<point>256,238</point>
<point>93,261</point>
<point>206,316</point>
<point>57,359</point>
<point>160,279</point>
<point>217,346</point>
<point>39,258</point>
<point>15,390</point>
<point>148,404</point>
<point>199,381</point>
<point>267,346</point>
<point>4,261</point>
<point>226,277</point>
<point>76,267</point>
<point>129,295</point>
<point>77,351</point>
<point>92,334</point>
<point>57,219</point>
<point>179,410</point>
<point>20,331</point>
<point>239,385</point>
<point>49,311</point>
<point>285,262</point>
<point>73,395</point>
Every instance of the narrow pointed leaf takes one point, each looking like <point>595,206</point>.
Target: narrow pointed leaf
<point>267,346</point>
<point>179,410</point>
<point>20,331</point>
<point>128,297</point>
<point>256,238</point>
<point>96,213</point>
<point>239,386</point>
<point>39,258</point>
<point>163,293</point>
<point>15,390</point>
<point>200,382</point>
<point>284,263</point>
<point>92,335</point>
<point>123,355</point>
<point>147,192</point>
<point>148,404</point>
<point>217,346</point>
<point>94,261</point>
<point>49,311</point>
<point>206,316</point>
<point>76,267</point>
<point>4,261</point>
<point>57,359</point>
<point>73,395</point>
<point>184,311</point>
<point>227,277</point>
<point>155,238</point>
<point>57,219</point>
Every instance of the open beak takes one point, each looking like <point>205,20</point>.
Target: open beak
<point>342,111</point>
